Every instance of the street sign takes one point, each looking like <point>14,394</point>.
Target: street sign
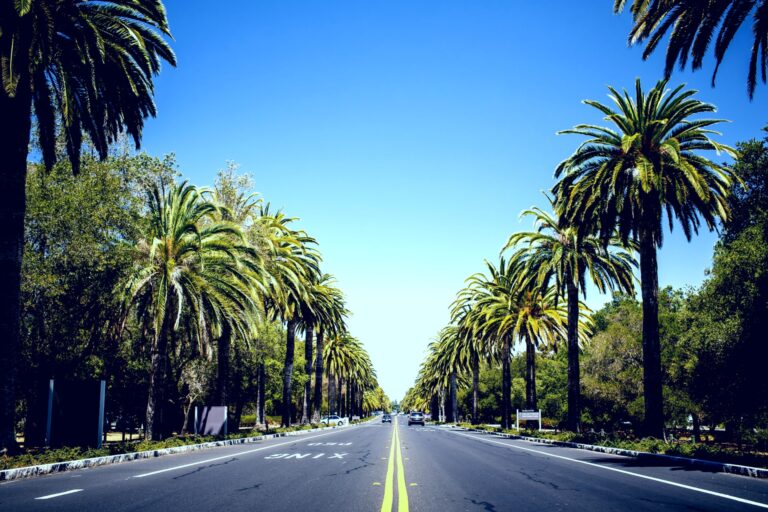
<point>527,415</point>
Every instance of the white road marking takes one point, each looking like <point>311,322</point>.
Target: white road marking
<point>338,456</point>
<point>58,494</point>
<point>298,456</point>
<point>214,459</point>
<point>318,455</point>
<point>622,471</point>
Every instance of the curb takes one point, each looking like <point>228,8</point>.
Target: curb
<point>71,465</point>
<point>723,467</point>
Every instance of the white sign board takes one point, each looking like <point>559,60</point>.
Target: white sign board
<point>528,416</point>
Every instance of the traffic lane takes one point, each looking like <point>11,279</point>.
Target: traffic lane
<point>453,472</point>
<point>112,481</point>
<point>753,489</point>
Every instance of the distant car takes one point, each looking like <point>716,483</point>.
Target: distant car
<point>416,417</point>
<point>332,421</point>
<point>386,418</point>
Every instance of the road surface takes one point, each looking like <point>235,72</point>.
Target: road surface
<point>383,467</point>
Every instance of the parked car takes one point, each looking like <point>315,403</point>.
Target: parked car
<point>416,417</point>
<point>386,418</point>
<point>332,420</point>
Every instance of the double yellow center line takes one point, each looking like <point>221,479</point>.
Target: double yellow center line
<point>402,490</point>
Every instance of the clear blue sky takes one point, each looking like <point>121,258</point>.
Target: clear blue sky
<point>408,136</point>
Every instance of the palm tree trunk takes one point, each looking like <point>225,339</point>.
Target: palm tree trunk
<point>222,373</point>
<point>530,375</point>
<point>290,341</point>
<point>155,401</point>
<point>340,397</point>
<point>261,385</point>
<point>348,400</point>
<point>317,402</point>
<point>475,386</point>
<point>506,386</point>
<point>574,374</point>
<point>331,394</point>
<point>452,394</point>
<point>14,146</point>
<point>649,277</point>
<point>434,407</point>
<point>307,402</point>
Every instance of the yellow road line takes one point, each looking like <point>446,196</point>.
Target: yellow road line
<point>386,505</point>
<point>402,490</point>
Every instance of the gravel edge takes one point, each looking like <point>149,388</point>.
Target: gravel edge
<point>71,465</point>
<point>735,469</point>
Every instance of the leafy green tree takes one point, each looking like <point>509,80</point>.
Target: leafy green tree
<point>559,252</point>
<point>88,67</point>
<point>692,26</point>
<point>626,180</point>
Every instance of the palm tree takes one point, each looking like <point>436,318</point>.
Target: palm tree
<point>343,356</point>
<point>692,25</point>
<point>495,306</point>
<point>624,180</point>
<point>332,323</point>
<point>471,346</point>
<point>560,252</point>
<point>294,267</point>
<point>88,67</point>
<point>187,264</point>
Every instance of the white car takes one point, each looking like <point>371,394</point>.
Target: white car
<point>332,421</point>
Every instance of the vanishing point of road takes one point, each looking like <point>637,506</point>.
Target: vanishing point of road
<point>383,467</point>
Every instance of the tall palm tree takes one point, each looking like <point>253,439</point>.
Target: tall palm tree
<point>294,267</point>
<point>187,264</point>
<point>87,66</point>
<point>471,346</point>
<point>332,323</point>
<point>343,357</point>
<point>561,252</point>
<point>625,179</point>
<point>692,25</point>
<point>495,306</point>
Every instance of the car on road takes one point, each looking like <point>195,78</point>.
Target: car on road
<point>332,420</point>
<point>386,418</point>
<point>416,417</point>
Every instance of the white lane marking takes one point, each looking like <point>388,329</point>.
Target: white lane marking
<point>58,494</point>
<point>624,472</point>
<point>152,473</point>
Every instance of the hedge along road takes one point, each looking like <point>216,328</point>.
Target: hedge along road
<point>388,467</point>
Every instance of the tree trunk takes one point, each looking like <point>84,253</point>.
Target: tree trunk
<point>348,399</point>
<point>290,341</point>
<point>340,396</point>
<point>14,146</point>
<point>306,409</point>
<point>331,394</point>
<point>696,427</point>
<point>317,402</point>
<point>434,407</point>
<point>475,386</point>
<point>222,373</point>
<point>156,400</point>
<point>649,277</point>
<point>506,386</point>
<point>261,385</point>
<point>530,375</point>
<point>453,398</point>
<point>574,373</point>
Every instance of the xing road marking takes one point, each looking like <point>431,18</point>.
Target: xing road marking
<point>58,494</point>
<point>624,472</point>
<point>231,456</point>
<point>402,490</point>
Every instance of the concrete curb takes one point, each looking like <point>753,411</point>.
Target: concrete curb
<point>71,465</point>
<point>723,467</point>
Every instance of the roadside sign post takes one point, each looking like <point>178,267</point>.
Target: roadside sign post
<point>527,415</point>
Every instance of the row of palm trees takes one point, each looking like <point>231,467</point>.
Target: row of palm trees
<point>216,266</point>
<point>609,204</point>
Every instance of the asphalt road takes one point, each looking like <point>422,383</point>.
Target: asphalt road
<point>382,467</point>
